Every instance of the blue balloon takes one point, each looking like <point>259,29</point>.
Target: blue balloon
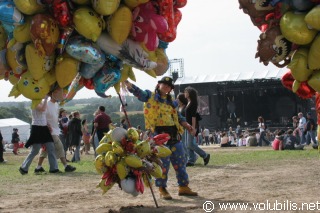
<point>104,79</point>
<point>10,14</point>
<point>88,71</point>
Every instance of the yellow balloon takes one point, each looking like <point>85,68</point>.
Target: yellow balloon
<point>162,151</point>
<point>29,7</point>
<point>134,3</point>
<point>21,33</point>
<point>162,62</point>
<point>3,38</point>
<point>157,171</point>
<point>314,81</point>
<point>294,28</point>
<point>122,169</point>
<point>295,86</point>
<point>119,24</point>
<point>104,188</point>
<point>133,161</point>
<point>110,159</point>
<point>103,148</point>
<point>117,148</point>
<point>30,88</point>
<point>313,18</point>
<point>88,23</point>
<point>143,149</point>
<point>66,70</point>
<point>13,78</point>
<point>314,54</point>
<point>16,58</point>
<point>105,7</point>
<point>133,134</point>
<point>100,165</point>
<point>81,2</point>
<point>37,65</point>
<point>299,65</point>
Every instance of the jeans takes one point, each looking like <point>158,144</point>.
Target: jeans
<point>263,138</point>
<point>302,137</point>
<point>35,148</point>
<point>311,135</point>
<point>185,144</point>
<point>194,148</point>
<point>76,154</point>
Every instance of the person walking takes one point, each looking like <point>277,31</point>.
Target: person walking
<point>1,149</point>
<point>310,130</point>
<point>161,116</point>
<point>262,129</point>
<point>182,103</point>
<point>85,137</point>
<point>15,141</point>
<point>40,136</point>
<point>301,128</point>
<point>75,135</point>
<point>63,125</point>
<point>191,111</point>
<point>101,122</point>
<point>52,114</point>
<point>206,134</point>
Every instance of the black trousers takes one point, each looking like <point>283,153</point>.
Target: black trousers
<point>1,152</point>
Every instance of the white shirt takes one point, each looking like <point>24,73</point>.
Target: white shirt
<point>302,122</point>
<point>52,114</point>
<point>206,132</point>
<point>38,118</point>
<point>260,127</point>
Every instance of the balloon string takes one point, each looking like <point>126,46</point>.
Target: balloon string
<point>124,111</point>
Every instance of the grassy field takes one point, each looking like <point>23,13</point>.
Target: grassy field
<point>272,175</point>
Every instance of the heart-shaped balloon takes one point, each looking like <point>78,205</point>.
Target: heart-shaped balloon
<point>105,79</point>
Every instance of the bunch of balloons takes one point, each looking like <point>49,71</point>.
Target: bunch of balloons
<point>83,43</point>
<point>289,38</point>
<point>124,159</point>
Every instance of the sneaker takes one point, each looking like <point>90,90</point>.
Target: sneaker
<point>206,159</point>
<point>186,191</point>
<point>39,171</point>
<point>189,164</point>
<point>22,171</point>
<point>69,168</point>
<point>55,171</point>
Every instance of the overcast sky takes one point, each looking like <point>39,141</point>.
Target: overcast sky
<point>213,37</point>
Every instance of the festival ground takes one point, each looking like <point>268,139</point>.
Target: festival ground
<point>283,182</point>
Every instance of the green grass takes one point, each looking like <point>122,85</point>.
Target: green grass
<point>223,158</point>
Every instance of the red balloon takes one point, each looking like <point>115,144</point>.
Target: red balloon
<point>62,13</point>
<point>88,83</point>
<point>304,91</point>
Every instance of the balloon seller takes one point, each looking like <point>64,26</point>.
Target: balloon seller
<point>161,116</point>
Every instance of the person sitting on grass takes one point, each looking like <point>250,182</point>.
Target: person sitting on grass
<point>291,141</point>
<point>225,141</point>
<point>252,139</point>
<point>278,143</point>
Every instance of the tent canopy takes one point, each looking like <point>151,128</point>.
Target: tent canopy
<point>7,125</point>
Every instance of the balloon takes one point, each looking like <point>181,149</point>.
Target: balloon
<point>162,62</point>
<point>3,63</point>
<point>118,134</point>
<point>61,12</point>
<point>44,34</point>
<point>10,14</point>
<point>313,18</point>
<point>99,164</point>
<point>147,24</point>
<point>130,52</point>
<point>314,81</point>
<point>314,54</point>
<point>85,50</point>
<point>105,7</point>
<point>299,65</point>
<point>295,29</point>
<point>66,70</point>
<point>88,23</point>
<point>29,7</point>
<point>16,58</point>
<point>81,2</point>
<point>105,79</point>
<point>8,29</point>
<point>133,161</point>
<point>3,38</point>
<point>37,65</point>
<point>30,88</point>
<point>129,186</point>
<point>122,169</point>
<point>143,149</point>
<point>88,71</point>
<point>302,5</point>
<point>110,159</point>
<point>21,33</point>
<point>119,24</point>
<point>157,171</point>
<point>304,91</point>
<point>134,3</point>
<point>12,77</point>
<point>273,47</point>
<point>64,37</point>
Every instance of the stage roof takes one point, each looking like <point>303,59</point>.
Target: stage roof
<point>244,76</point>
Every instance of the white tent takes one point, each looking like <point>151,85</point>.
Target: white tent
<point>7,125</point>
